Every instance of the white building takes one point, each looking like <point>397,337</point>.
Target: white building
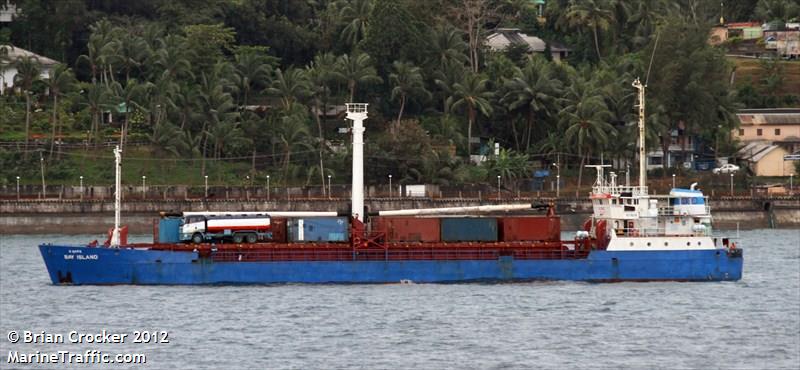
<point>502,38</point>
<point>9,71</point>
<point>7,12</point>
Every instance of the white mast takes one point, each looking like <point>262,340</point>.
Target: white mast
<point>642,155</point>
<point>117,196</point>
<point>358,113</point>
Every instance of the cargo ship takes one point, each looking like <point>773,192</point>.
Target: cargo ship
<point>631,236</point>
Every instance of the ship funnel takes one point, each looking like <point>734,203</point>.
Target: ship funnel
<point>357,112</point>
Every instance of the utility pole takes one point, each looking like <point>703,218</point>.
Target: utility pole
<point>44,186</point>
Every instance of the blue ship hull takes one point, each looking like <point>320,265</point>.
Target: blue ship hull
<point>92,265</point>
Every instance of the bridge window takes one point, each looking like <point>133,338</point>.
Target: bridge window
<point>759,132</point>
<point>777,132</point>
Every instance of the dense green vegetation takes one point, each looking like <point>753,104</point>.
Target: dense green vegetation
<point>232,88</point>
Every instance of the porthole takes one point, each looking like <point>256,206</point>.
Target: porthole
<point>688,243</point>
<point>698,243</point>
<point>631,244</point>
<point>648,244</point>
<point>666,244</point>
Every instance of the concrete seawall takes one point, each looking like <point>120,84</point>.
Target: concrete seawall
<point>96,216</point>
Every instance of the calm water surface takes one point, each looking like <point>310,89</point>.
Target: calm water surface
<point>753,323</point>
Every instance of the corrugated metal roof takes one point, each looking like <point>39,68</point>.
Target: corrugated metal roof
<point>503,37</point>
<point>15,52</point>
<point>770,118</point>
<point>743,25</point>
<point>755,151</point>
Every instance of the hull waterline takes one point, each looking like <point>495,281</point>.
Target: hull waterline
<point>99,265</point>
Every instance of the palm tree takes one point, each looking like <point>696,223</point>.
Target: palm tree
<point>251,124</point>
<point>644,18</point>
<point>171,59</point>
<point>533,89</point>
<point>5,62</point>
<point>225,134</point>
<point>130,97</point>
<point>102,33</point>
<point>28,72</point>
<point>290,86</point>
<point>594,14</point>
<point>292,135</point>
<point>585,116</point>
<point>447,46</point>
<point>96,99</point>
<point>356,14</point>
<point>168,137</point>
<point>354,70</point>
<point>445,79</point>
<point>186,101</point>
<point>320,73</point>
<point>251,72</point>
<point>215,104</point>
<point>162,99</point>
<point>509,165</point>
<point>406,81</point>
<point>132,51</point>
<point>61,80</point>
<point>472,94</point>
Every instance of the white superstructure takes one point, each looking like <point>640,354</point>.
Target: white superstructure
<point>629,218</point>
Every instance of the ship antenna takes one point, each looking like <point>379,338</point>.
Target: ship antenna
<point>637,84</point>
<point>358,113</point>
<point>652,57</point>
<point>642,156</point>
<point>117,196</point>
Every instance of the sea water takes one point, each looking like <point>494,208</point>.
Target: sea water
<point>752,323</point>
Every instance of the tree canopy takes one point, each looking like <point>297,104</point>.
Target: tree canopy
<point>263,81</point>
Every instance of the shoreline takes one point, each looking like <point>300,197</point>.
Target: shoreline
<point>139,223</point>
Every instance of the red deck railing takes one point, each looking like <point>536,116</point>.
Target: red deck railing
<point>426,254</point>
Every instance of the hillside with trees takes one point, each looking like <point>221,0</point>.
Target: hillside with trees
<point>238,90</point>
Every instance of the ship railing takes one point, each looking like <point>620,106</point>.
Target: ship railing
<point>619,189</point>
<point>659,231</point>
<point>672,211</point>
<point>436,254</point>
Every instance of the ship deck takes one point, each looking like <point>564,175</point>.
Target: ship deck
<point>392,251</point>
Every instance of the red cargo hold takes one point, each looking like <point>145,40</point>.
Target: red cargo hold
<point>408,229</point>
<point>530,228</point>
